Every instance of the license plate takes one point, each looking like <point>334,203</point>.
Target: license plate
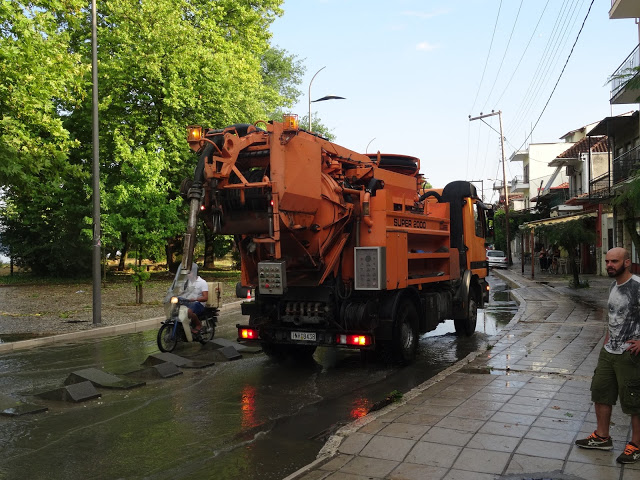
<point>305,336</point>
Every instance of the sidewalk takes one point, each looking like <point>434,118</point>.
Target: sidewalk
<point>510,412</point>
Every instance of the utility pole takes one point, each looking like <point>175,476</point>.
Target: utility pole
<point>504,175</point>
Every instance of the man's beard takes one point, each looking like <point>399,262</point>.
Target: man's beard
<point>616,273</point>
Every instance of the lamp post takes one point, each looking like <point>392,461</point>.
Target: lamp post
<point>97,298</point>
<point>326,97</point>
<point>312,79</point>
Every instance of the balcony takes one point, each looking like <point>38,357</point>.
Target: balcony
<point>624,9</point>
<point>519,184</point>
<point>626,165</point>
<point>600,187</point>
<point>625,83</point>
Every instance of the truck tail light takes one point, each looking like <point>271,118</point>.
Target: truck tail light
<point>354,340</point>
<point>247,333</point>
<point>486,287</point>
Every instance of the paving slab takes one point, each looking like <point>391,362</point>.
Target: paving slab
<point>519,422</point>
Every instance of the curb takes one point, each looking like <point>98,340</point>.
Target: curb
<point>98,332</point>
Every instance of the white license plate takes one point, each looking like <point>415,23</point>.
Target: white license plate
<point>308,336</point>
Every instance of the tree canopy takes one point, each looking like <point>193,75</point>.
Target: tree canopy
<point>162,65</point>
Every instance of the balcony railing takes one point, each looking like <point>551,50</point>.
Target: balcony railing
<point>625,72</point>
<point>601,187</point>
<point>626,165</point>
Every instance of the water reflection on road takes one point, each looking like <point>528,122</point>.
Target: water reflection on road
<point>252,418</point>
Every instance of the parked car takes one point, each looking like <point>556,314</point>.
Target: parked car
<point>497,258</point>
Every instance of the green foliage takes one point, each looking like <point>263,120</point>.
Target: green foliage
<point>515,220</point>
<point>569,235</point>
<point>140,275</point>
<point>162,65</point>
<point>628,199</point>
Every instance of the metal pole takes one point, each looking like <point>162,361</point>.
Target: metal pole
<point>310,94</point>
<point>97,298</point>
<point>506,190</point>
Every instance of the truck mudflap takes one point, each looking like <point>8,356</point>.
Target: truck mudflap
<point>363,340</point>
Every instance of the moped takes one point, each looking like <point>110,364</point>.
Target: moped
<point>177,328</point>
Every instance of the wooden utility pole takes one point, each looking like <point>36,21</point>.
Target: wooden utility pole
<point>504,176</point>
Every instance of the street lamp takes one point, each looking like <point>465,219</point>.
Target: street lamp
<point>326,97</point>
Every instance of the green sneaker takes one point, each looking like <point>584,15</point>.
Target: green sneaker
<point>596,441</point>
<point>631,454</point>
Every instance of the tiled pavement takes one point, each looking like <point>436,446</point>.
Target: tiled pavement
<point>512,411</point>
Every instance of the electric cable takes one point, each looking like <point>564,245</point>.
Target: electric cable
<point>542,68</point>
<point>488,55</point>
<point>504,55</point>
<point>523,53</point>
<point>553,58</point>
<point>561,73</point>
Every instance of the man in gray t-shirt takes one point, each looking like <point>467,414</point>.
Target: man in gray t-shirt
<point>618,371</point>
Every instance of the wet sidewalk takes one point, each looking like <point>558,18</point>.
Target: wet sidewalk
<point>512,411</point>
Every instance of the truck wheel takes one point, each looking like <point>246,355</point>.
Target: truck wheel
<point>467,326</point>
<point>405,334</point>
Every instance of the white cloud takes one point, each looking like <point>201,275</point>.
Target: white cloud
<point>426,47</point>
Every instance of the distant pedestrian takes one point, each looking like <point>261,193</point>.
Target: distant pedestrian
<point>618,371</point>
<point>542,256</point>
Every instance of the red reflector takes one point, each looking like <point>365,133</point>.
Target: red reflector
<point>248,333</point>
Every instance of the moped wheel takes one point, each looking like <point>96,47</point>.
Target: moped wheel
<point>167,340</point>
<point>207,332</point>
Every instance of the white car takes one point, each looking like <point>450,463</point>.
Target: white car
<point>497,258</point>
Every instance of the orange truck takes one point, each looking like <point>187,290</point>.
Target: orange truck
<point>339,248</point>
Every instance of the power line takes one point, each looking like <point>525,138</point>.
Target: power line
<point>541,69</point>
<point>523,53</point>
<point>504,55</point>
<point>561,73</point>
<point>553,58</point>
<point>488,55</point>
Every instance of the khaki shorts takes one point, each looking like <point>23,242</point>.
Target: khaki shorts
<point>617,376</point>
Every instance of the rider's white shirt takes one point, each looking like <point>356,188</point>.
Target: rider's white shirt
<point>198,287</point>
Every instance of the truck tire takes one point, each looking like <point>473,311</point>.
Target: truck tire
<point>467,326</point>
<point>405,334</point>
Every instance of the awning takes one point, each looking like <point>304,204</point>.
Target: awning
<point>557,220</point>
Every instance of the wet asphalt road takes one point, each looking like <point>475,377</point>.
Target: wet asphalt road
<point>248,419</point>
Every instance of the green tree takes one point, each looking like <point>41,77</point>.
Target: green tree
<point>162,65</point>
<point>628,199</point>
<point>569,235</point>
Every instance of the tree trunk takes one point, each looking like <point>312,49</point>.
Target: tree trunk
<point>574,267</point>
<point>209,249</point>
<point>173,245</point>
<point>139,299</point>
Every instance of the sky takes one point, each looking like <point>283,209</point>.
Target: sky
<point>413,71</point>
